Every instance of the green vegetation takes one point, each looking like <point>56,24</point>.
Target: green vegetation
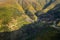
<point>7,14</point>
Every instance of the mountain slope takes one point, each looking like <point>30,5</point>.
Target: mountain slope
<point>11,15</point>
<point>26,8</point>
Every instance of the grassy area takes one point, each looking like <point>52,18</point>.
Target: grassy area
<point>11,19</point>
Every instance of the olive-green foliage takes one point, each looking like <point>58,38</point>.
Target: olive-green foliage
<point>6,14</point>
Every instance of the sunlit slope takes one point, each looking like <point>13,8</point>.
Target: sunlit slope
<point>26,5</point>
<point>13,13</point>
<point>11,19</point>
<point>52,5</point>
<point>31,5</point>
<point>12,3</point>
<point>15,4</point>
<point>37,6</point>
<point>12,16</point>
<point>40,4</point>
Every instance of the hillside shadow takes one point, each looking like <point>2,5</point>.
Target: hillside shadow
<point>32,31</point>
<point>48,3</point>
